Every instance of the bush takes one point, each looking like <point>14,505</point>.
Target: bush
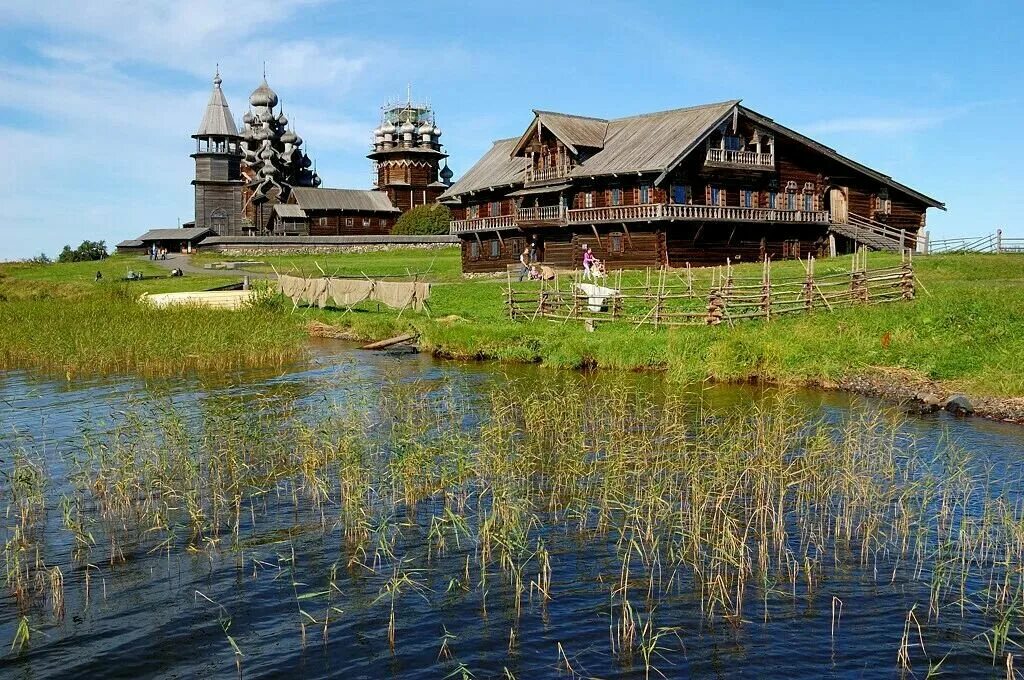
<point>424,220</point>
<point>88,251</point>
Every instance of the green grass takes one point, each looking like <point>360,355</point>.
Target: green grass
<point>77,279</point>
<point>968,333</point>
<point>438,264</point>
<point>58,319</point>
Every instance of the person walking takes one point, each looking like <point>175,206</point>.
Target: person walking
<point>533,248</point>
<point>524,261</point>
<point>588,261</point>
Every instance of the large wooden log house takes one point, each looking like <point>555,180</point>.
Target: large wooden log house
<point>695,185</point>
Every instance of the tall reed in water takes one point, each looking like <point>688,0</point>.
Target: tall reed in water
<point>737,506</point>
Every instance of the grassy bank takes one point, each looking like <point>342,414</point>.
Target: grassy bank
<point>57,318</point>
<point>966,331</point>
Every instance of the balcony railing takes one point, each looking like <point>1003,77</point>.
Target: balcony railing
<point>535,174</point>
<point>618,213</point>
<point>662,211</point>
<point>482,224</point>
<point>746,158</point>
<point>557,214</point>
<point>543,213</point>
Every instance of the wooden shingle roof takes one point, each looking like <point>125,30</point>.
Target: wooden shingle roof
<point>652,142</point>
<point>497,168</point>
<point>647,143</point>
<point>356,200</point>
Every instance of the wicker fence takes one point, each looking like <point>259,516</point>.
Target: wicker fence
<point>670,298</point>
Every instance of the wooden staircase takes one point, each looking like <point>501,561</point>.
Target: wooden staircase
<point>874,235</point>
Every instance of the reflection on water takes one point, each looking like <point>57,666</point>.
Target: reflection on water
<point>176,612</point>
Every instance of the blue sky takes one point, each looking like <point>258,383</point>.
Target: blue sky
<point>98,99</point>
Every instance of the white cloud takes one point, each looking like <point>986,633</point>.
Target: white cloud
<point>103,109</point>
<point>892,124</point>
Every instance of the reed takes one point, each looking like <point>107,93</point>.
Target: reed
<point>736,507</point>
<point>110,333</point>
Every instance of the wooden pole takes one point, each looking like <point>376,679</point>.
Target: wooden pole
<point>511,304</point>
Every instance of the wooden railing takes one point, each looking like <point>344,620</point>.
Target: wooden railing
<point>535,174</point>
<point>750,158</point>
<point>875,235</point>
<point>543,213</point>
<point>482,224</point>
<point>989,243</point>
<point>617,213</point>
<point>661,211</point>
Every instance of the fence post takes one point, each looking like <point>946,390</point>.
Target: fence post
<point>999,240</point>
<point>907,279</point>
<point>903,239</point>
<point>715,303</point>
<point>511,303</point>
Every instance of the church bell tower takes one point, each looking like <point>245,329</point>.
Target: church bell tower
<point>407,155</point>
<point>218,177</point>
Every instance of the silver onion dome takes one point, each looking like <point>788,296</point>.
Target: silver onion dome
<point>263,96</point>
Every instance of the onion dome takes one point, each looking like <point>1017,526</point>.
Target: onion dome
<point>437,131</point>
<point>387,129</point>
<point>298,141</point>
<point>425,129</point>
<point>316,181</point>
<point>447,174</point>
<point>247,118</point>
<point>263,96</point>
<point>289,137</point>
<point>408,128</point>
<point>282,119</point>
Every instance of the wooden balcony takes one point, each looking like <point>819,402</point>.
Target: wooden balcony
<point>662,211</point>
<point>742,159</point>
<point>557,215</point>
<point>535,174</point>
<point>545,215</point>
<point>483,224</point>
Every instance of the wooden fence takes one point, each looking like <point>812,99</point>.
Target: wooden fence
<point>662,298</point>
<point>989,243</point>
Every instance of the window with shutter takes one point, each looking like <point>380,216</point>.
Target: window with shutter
<point>615,243</point>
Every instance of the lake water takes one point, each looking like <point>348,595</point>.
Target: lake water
<point>153,614</point>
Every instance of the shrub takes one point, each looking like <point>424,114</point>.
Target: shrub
<point>88,251</point>
<point>424,219</point>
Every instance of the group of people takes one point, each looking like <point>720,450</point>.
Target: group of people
<point>593,268</point>
<point>528,262</point>
<point>157,253</point>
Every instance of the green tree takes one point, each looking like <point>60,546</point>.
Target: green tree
<point>88,251</point>
<point>424,219</point>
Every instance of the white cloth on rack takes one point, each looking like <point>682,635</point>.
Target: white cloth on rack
<point>596,295</point>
